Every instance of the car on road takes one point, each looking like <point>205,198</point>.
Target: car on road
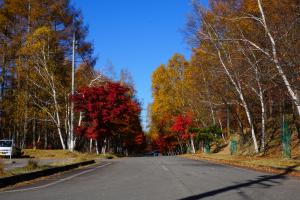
<point>8,148</point>
<point>153,153</point>
<point>156,153</point>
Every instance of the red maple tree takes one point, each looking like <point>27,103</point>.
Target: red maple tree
<point>110,112</point>
<point>181,125</point>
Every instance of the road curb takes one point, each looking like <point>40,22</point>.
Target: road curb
<point>11,180</point>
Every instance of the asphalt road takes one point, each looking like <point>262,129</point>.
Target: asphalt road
<point>160,178</point>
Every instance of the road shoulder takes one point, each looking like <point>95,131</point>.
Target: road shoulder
<point>46,181</point>
<point>288,170</point>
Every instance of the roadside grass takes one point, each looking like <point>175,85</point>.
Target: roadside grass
<point>32,165</point>
<point>254,162</point>
<point>57,158</point>
<point>64,156</point>
<point>57,154</point>
<point>61,154</point>
<point>271,160</point>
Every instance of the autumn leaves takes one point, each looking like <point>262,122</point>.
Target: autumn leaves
<point>36,40</point>
<point>242,76</point>
<point>110,114</point>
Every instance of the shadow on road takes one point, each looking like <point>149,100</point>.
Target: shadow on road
<point>264,181</point>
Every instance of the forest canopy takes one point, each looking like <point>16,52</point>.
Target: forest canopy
<point>37,40</point>
<point>243,76</point>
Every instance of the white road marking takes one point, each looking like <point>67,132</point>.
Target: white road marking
<point>165,168</point>
<point>58,181</point>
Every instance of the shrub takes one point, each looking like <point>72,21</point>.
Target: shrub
<point>210,134</point>
<point>109,157</point>
<point>18,153</point>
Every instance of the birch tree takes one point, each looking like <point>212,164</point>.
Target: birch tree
<point>226,62</point>
<point>271,51</point>
<point>46,86</point>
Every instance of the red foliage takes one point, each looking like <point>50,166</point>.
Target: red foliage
<point>108,109</point>
<point>181,125</point>
<point>165,143</point>
<point>139,139</point>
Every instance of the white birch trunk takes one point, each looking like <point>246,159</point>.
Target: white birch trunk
<point>235,83</point>
<point>103,149</point>
<point>221,126</point>
<point>91,144</point>
<point>57,116</point>
<point>192,144</point>
<point>263,123</point>
<point>291,92</point>
<point>97,150</point>
<point>241,96</point>
<point>71,135</point>
<point>263,111</point>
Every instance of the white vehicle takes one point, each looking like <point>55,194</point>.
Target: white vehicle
<point>6,148</point>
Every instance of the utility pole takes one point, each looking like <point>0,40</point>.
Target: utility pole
<point>72,142</point>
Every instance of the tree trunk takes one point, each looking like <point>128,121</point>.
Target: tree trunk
<point>91,145</point>
<point>291,92</point>
<point>96,143</point>
<point>33,134</point>
<point>25,128</point>
<point>180,144</point>
<point>58,123</point>
<point>192,144</point>
<point>46,139</point>
<point>241,96</point>
<point>263,123</point>
<point>252,129</point>
<point>103,149</point>
<point>61,138</point>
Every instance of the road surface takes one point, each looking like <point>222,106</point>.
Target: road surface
<point>160,178</point>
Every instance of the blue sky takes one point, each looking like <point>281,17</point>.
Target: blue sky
<point>138,35</point>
